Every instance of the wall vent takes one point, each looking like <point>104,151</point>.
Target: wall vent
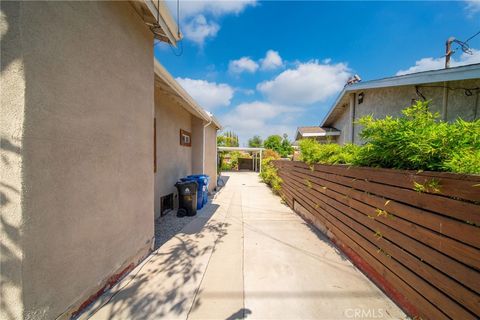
<point>166,204</point>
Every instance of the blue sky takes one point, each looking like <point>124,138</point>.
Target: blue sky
<point>268,67</point>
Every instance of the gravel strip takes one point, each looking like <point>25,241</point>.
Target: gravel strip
<point>168,226</point>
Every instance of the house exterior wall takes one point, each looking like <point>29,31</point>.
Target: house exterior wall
<point>197,145</point>
<point>392,100</point>
<point>174,161</point>
<point>79,117</point>
<point>211,155</point>
<point>343,124</point>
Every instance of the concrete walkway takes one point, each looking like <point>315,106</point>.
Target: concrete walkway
<point>246,255</point>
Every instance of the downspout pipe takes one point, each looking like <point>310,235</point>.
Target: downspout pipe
<point>203,148</point>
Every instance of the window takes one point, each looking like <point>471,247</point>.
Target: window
<point>185,138</point>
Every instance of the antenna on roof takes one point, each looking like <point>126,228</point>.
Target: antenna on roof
<point>356,78</point>
<point>448,49</point>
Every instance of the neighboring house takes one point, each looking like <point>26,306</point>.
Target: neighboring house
<point>454,93</point>
<point>78,188</point>
<point>177,115</point>
<point>321,134</point>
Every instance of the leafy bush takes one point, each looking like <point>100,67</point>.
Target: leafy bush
<point>419,141</point>
<point>330,153</point>
<point>269,153</point>
<point>281,145</point>
<point>233,156</point>
<point>269,172</point>
<point>416,141</point>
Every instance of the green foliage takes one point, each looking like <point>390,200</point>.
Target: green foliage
<point>228,139</point>
<point>416,141</point>
<point>269,172</point>
<point>273,142</point>
<point>432,186</point>
<point>255,142</point>
<point>330,153</point>
<point>286,147</point>
<point>280,145</point>
<point>419,141</point>
<point>232,156</point>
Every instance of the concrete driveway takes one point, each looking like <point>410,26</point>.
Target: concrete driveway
<point>246,255</point>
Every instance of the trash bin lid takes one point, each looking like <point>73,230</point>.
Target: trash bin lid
<point>203,178</point>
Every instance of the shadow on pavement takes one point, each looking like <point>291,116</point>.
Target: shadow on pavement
<point>168,280</point>
<point>240,314</point>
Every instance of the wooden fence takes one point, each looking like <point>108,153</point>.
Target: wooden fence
<point>415,234</point>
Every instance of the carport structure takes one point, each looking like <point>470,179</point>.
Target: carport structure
<point>255,152</point>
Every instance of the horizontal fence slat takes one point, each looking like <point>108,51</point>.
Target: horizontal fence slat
<point>427,245</point>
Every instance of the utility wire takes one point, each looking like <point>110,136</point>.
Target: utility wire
<point>464,44</point>
<point>476,34</point>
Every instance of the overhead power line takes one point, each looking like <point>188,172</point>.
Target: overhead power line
<point>476,34</point>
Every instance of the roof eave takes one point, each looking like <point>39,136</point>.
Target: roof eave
<point>147,9</point>
<point>166,77</point>
<point>432,76</point>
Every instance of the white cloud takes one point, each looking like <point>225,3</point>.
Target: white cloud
<point>271,61</point>
<point>244,64</point>
<point>209,95</point>
<point>308,83</point>
<point>472,7</point>
<point>257,117</point>
<point>425,64</point>
<point>199,18</point>
<point>214,7</point>
<point>198,29</point>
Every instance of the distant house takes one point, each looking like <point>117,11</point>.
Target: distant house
<point>321,134</point>
<point>454,93</point>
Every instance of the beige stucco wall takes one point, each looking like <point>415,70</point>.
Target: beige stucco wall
<point>197,145</point>
<point>174,161</point>
<point>390,101</point>
<point>81,208</point>
<point>211,155</point>
<point>343,124</point>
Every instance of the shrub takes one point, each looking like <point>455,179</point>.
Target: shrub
<point>269,153</point>
<point>330,153</point>
<point>269,172</point>
<point>416,141</point>
<point>280,145</point>
<point>419,141</point>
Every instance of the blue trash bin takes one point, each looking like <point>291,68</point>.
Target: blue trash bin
<point>203,180</point>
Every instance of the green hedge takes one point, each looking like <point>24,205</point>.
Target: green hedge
<point>416,141</point>
<point>269,172</point>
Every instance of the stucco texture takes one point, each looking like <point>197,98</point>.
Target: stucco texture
<point>343,124</point>
<point>391,101</point>
<point>197,145</point>
<point>86,183</point>
<point>211,155</point>
<point>174,161</point>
